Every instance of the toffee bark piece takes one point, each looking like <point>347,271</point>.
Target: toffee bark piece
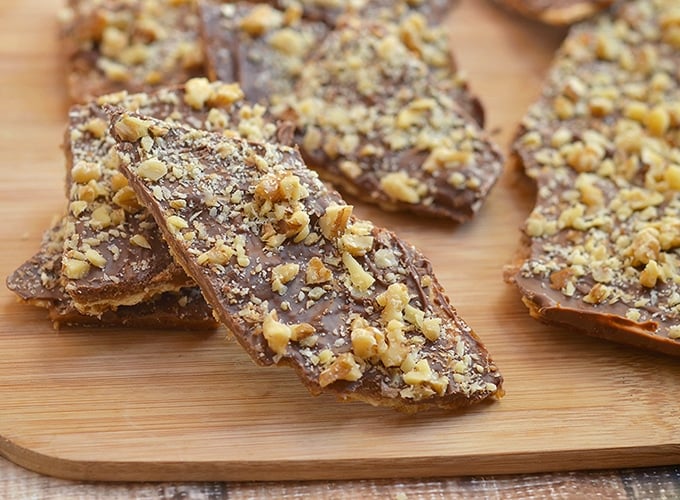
<point>113,45</point>
<point>602,245</point>
<point>557,12</point>
<point>298,280</point>
<point>114,254</point>
<point>38,282</point>
<point>380,113</point>
<point>257,45</point>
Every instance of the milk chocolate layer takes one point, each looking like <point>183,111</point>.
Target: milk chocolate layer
<point>299,281</point>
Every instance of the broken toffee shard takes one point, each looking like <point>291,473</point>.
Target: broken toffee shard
<point>296,277</point>
<point>600,249</point>
<point>380,112</point>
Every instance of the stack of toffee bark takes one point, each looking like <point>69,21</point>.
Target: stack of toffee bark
<point>190,201</point>
<point>207,139</point>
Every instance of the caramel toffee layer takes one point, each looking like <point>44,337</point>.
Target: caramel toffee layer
<point>38,282</point>
<point>114,254</point>
<point>298,279</point>
<point>602,144</point>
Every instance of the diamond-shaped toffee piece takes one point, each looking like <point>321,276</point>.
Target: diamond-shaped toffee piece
<point>601,248</point>
<point>296,277</point>
<point>134,45</point>
<point>38,282</point>
<point>378,113</point>
<point>114,254</point>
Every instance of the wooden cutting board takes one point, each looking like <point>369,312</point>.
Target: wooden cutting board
<point>156,405</point>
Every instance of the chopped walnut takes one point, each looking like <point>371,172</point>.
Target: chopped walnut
<point>95,258</point>
<point>397,350</point>
<point>219,254</point>
<point>385,258</point>
<point>359,277</point>
<point>275,189</point>
<point>420,373</point>
<point>674,333</point>
<point>356,245</point>
<point>344,367</point>
<point>393,301</point>
<point>261,19</point>
<point>334,221</point>
<point>278,335</point>
<point>432,328</point>
<point>367,341</point>
<point>131,128</point>
<point>283,274</point>
<point>317,272</point>
<point>198,92</point>
<point>97,127</point>
<point>657,120</point>
<point>78,207</point>
<point>650,274</point>
<point>140,241</point>
<point>225,94</point>
<point>152,169</point>
<point>75,268</point>
<point>125,198</point>
<point>401,187</point>
<point>177,223</point>
<point>645,247</point>
<point>84,172</point>
<point>101,217</point>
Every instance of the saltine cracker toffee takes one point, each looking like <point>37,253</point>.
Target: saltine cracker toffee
<point>600,252</point>
<point>298,279</point>
<point>381,114</point>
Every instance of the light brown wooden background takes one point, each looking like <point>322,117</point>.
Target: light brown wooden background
<point>165,405</point>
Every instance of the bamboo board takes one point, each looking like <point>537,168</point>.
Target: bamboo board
<point>134,405</point>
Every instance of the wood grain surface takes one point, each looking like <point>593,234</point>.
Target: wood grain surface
<point>662,483</point>
<point>135,405</point>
